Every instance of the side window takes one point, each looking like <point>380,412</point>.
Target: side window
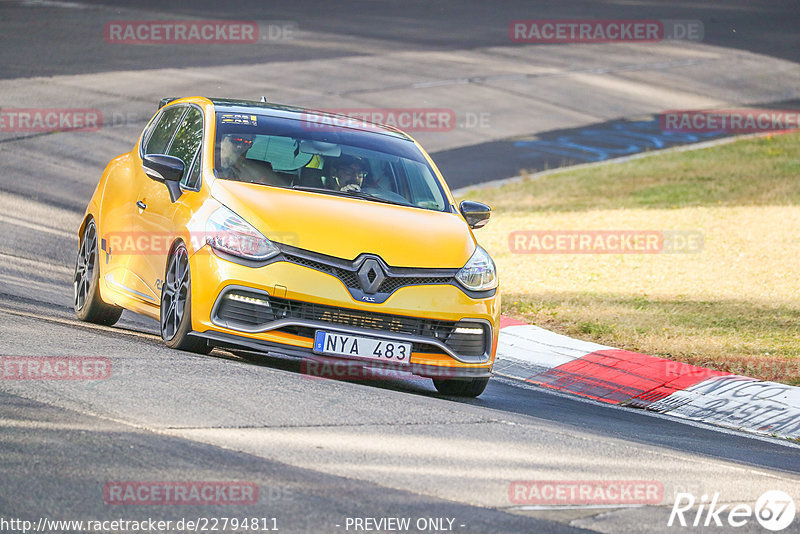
<point>187,140</point>
<point>192,179</point>
<point>162,133</point>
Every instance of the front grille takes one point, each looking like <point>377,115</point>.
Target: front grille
<point>394,283</point>
<point>295,309</point>
<point>241,308</point>
<point>350,279</point>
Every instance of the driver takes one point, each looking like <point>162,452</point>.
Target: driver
<point>235,166</point>
<point>348,173</point>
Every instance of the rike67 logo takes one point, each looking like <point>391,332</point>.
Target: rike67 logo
<point>774,510</point>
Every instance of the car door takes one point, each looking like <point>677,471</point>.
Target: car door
<point>114,222</point>
<point>117,243</point>
<point>143,242</point>
<point>155,216</point>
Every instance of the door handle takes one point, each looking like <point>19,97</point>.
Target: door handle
<point>141,205</point>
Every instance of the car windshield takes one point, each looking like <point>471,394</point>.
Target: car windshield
<point>306,155</point>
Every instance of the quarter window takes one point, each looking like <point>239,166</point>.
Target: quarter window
<point>188,138</point>
<point>162,133</point>
<point>192,179</point>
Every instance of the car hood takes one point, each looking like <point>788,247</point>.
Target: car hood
<point>347,227</point>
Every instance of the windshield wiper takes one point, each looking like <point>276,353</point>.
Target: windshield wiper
<point>368,196</point>
<point>321,190</point>
<point>356,194</point>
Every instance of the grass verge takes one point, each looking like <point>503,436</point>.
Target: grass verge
<point>734,305</point>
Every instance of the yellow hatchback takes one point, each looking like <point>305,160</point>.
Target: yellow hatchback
<point>290,231</point>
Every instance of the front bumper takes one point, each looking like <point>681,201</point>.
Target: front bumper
<point>285,282</point>
<point>428,371</point>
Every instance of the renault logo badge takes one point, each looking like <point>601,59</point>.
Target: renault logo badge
<point>370,276</point>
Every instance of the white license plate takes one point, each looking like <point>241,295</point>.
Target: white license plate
<point>335,344</point>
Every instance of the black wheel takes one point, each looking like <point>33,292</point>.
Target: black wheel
<point>87,303</point>
<point>471,387</point>
<point>176,305</point>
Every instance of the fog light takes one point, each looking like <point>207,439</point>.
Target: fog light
<point>465,330</point>
<point>249,300</point>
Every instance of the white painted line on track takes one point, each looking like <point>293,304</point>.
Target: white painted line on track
<point>80,324</point>
<point>37,227</point>
<point>6,258</point>
<point>27,283</point>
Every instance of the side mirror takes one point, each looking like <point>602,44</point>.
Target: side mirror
<point>165,169</point>
<point>476,213</point>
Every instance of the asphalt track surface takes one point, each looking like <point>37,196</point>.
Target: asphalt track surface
<point>319,451</point>
<point>766,27</point>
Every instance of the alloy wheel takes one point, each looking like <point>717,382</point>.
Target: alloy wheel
<point>175,293</point>
<point>84,266</point>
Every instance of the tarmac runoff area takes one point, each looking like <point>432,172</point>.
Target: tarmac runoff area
<point>447,100</point>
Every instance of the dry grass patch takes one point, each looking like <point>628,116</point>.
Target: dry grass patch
<point>733,306</point>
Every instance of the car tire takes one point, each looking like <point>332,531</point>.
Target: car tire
<point>175,316</point>
<point>88,305</point>
<point>461,388</point>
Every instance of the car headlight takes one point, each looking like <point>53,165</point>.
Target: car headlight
<point>479,274</point>
<point>229,233</point>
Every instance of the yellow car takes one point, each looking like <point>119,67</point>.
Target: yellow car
<point>284,230</point>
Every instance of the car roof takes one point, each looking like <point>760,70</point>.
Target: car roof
<point>305,114</point>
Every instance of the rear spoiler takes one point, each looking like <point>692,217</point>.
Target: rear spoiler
<point>164,101</point>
